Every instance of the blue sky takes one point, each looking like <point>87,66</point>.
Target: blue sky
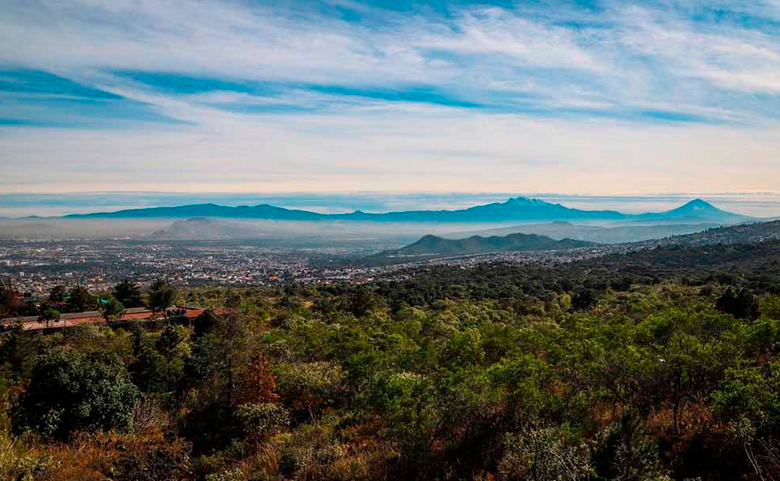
<point>597,97</point>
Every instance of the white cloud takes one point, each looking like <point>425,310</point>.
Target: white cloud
<point>636,58</point>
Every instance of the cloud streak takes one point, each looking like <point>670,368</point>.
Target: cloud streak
<point>327,95</point>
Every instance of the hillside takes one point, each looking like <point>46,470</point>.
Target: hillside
<point>433,245</point>
<point>748,233</point>
<point>592,233</point>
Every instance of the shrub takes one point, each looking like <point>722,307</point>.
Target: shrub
<point>72,391</point>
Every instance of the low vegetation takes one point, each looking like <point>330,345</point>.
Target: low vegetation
<point>650,371</point>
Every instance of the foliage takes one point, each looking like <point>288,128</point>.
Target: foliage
<point>9,300</point>
<point>49,315</point>
<point>129,294</point>
<point>79,299</point>
<point>741,304</point>
<point>112,309</point>
<point>543,455</point>
<point>162,295</point>
<point>641,367</point>
<point>262,419</point>
<point>309,387</point>
<point>70,390</point>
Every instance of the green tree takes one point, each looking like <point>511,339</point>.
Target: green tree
<point>129,294</point>
<point>584,299</point>
<point>625,452</point>
<point>309,387</point>
<point>407,402</point>
<point>361,302</point>
<point>58,294</point>
<point>9,301</point>
<point>49,315</point>
<point>80,299</point>
<point>112,309</point>
<point>149,368</point>
<point>70,390</point>
<point>741,304</point>
<point>162,295</point>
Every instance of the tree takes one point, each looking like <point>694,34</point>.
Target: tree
<point>161,295</point>
<point>129,294</point>
<point>544,455</point>
<point>583,300</point>
<point>742,304</point>
<point>80,299</point>
<point>407,403</point>
<point>9,301</point>
<point>361,302</point>
<point>149,369</point>
<point>624,452</point>
<point>309,387</point>
<point>258,383</point>
<point>49,315</point>
<point>70,390</point>
<point>57,294</point>
<point>112,309</point>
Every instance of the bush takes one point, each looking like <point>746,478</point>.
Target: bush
<point>543,455</point>
<point>742,304</point>
<point>72,391</point>
<point>262,419</point>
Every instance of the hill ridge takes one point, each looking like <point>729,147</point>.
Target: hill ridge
<point>434,245</point>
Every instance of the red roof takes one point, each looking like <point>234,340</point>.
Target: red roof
<point>31,323</point>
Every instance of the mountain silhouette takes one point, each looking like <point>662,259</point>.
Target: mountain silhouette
<point>434,245</point>
<point>519,209</point>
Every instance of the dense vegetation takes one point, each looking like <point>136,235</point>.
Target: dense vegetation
<point>657,365</point>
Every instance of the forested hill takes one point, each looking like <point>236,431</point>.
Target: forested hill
<point>736,234</point>
<point>433,245</point>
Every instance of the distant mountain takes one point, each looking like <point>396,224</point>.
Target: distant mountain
<point>433,245</point>
<point>696,209</point>
<point>518,209</point>
<point>515,209</point>
<point>201,228</point>
<point>263,211</point>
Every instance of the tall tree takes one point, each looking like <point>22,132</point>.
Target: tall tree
<point>80,299</point>
<point>162,295</point>
<point>9,301</point>
<point>129,294</point>
<point>57,294</point>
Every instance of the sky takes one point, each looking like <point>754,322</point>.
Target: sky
<point>597,98</point>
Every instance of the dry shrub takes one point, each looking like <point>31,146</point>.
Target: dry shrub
<point>148,454</point>
<point>20,461</point>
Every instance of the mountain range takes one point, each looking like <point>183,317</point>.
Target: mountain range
<point>434,245</point>
<point>431,245</point>
<point>519,209</point>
